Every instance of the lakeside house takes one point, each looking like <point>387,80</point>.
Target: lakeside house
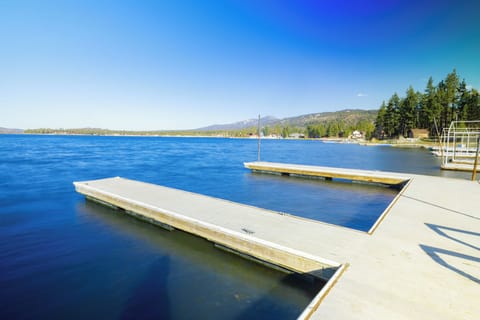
<point>356,135</point>
<point>296,135</point>
<point>418,133</point>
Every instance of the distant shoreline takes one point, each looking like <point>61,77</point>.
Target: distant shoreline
<point>395,143</point>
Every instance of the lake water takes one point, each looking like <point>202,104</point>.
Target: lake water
<point>63,257</point>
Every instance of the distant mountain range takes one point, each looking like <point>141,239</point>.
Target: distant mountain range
<point>10,131</point>
<point>349,116</point>
<point>264,121</point>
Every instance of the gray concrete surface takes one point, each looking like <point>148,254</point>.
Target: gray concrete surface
<point>328,172</point>
<point>421,262</point>
<point>458,166</point>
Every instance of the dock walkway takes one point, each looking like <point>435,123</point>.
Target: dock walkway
<point>421,262</point>
<point>328,172</point>
<point>459,166</point>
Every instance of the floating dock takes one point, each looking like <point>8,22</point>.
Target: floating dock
<point>459,166</point>
<point>422,261</point>
<point>328,173</point>
<point>225,223</point>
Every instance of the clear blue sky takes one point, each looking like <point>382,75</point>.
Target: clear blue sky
<point>185,64</point>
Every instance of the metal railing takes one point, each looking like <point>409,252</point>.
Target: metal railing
<point>460,144</point>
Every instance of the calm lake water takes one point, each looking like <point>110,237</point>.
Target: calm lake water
<point>63,257</point>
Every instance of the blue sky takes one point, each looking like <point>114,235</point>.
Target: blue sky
<point>145,65</point>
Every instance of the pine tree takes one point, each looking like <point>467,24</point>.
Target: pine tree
<point>451,99</point>
<point>408,112</point>
<point>392,119</point>
<point>380,121</point>
<point>430,108</point>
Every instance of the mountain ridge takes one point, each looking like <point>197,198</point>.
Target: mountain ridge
<point>346,115</point>
<point>10,131</point>
<point>238,125</point>
<point>314,124</point>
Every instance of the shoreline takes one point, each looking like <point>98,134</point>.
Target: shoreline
<point>395,143</point>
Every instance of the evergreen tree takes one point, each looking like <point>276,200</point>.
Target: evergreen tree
<point>266,131</point>
<point>408,112</point>
<point>380,121</point>
<point>316,131</point>
<point>392,119</point>
<point>471,105</point>
<point>451,99</point>
<point>461,99</point>
<point>430,108</point>
<point>285,131</point>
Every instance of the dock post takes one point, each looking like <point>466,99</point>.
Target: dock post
<point>474,171</point>
<point>258,133</point>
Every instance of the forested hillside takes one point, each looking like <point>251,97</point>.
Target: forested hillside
<point>316,125</point>
<point>434,109</point>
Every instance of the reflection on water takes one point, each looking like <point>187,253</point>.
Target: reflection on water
<point>185,277</point>
<point>351,205</point>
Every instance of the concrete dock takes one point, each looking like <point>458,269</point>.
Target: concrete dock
<point>328,172</point>
<point>422,261</point>
<point>459,166</point>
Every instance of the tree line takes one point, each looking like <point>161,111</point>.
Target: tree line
<point>339,128</point>
<point>449,100</point>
